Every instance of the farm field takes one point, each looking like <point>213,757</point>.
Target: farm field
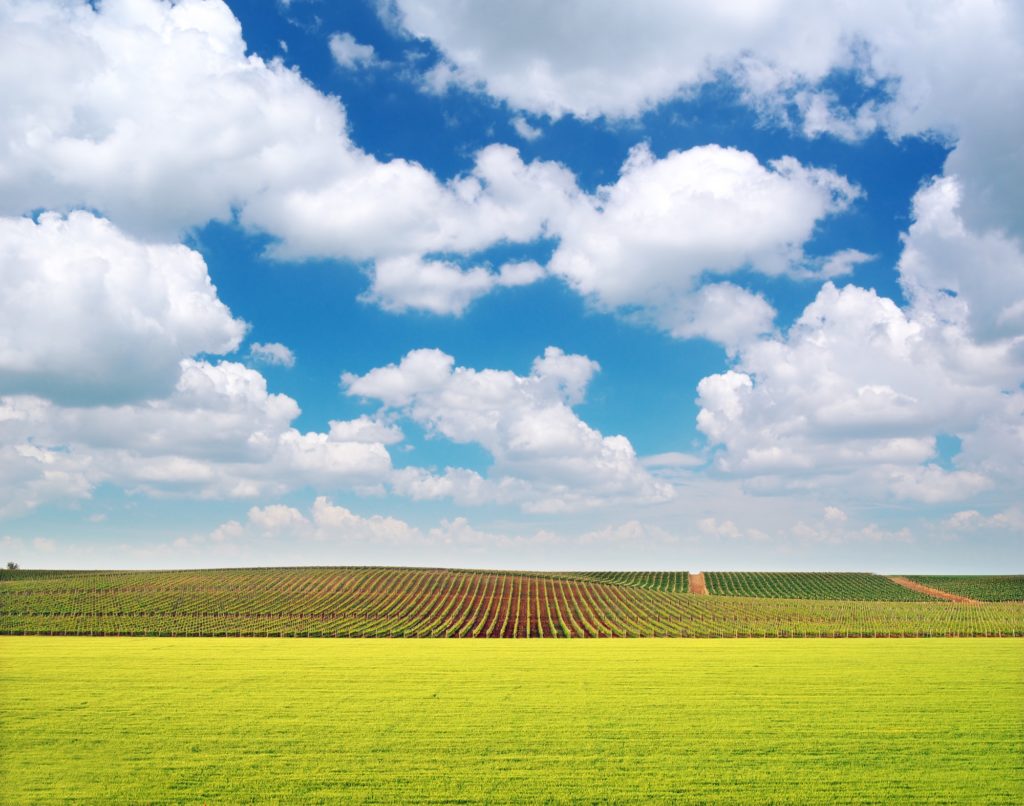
<point>439,603</point>
<point>982,588</point>
<point>832,586</point>
<point>127,720</point>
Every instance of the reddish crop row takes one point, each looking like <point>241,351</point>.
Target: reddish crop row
<point>390,602</point>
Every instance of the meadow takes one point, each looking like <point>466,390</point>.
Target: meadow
<point>153,720</point>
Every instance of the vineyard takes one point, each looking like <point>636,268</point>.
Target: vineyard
<point>984,589</point>
<point>674,581</point>
<point>436,603</point>
<point>830,586</point>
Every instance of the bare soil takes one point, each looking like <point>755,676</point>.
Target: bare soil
<point>697,584</point>
<point>917,586</point>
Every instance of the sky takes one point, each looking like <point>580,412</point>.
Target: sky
<point>577,285</point>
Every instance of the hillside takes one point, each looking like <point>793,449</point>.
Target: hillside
<point>404,602</point>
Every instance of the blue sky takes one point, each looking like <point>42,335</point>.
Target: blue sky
<point>427,283</point>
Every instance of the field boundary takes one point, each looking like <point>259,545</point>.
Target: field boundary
<point>938,594</point>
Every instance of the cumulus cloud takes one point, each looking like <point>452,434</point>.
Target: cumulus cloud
<point>366,429</point>
<point>439,286</point>
<point>253,141</point>
<point>672,459</point>
<point>545,457</point>
<point>933,484</point>
<point>650,238</point>
<point>348,53</point>
<point>928,68</point>
<point>524,129</point>
<point>149,112</point>
<point>272,353</point>
<point>591,59</point>
<point>833,532</point>
<point>971,520</point>
<point>328,523</point>
<point>713,527</point>
<point>963,277</point>
<point>859,386</point>
<point>404,210</point>
<point>153,114</point>
<point>219,434</point>
<point>946,69</point>
<point>91,315</point>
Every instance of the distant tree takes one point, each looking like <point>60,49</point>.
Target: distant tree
<point>12,566</point>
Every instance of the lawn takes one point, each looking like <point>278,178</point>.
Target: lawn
<point>104,720</point>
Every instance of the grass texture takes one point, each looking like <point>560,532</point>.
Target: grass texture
<point>135,720</point>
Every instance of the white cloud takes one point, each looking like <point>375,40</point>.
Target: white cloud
<point>219,434</point>
<point>971,279</point>
<point>439,286</point>
<point>91,315</point>
<point>329,523</point>
<point>348,53</point>
<point>598,58</point>
<point>276,517</point>
<point>404,210</point>
<point>971,520</point>
<point>933,484</point>
<point>366,429</point>
<point>153,114</point>
<point>713,527</point>
<point>721,312</point>
<point>525,130</point>
<point>545,457</point>
<point>843,263</point>
<point>272,353</point>
<point>602,58</point>
<point>649,239</point>
<point>858,391</point>
<point>253,140</point>
<point>672,459</point>
<point>854,381</point>
<point>949,68</point>
<point>831,531</point>
<point>835,515</point>
<point>629,533</point>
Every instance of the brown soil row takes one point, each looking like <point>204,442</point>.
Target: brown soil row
<point>697,584</point>
<point>917,586</point>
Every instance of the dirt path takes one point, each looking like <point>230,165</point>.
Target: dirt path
<point>697,584</point>
<point>917,586</point>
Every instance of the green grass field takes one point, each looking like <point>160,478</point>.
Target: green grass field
<point>153,720</point>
